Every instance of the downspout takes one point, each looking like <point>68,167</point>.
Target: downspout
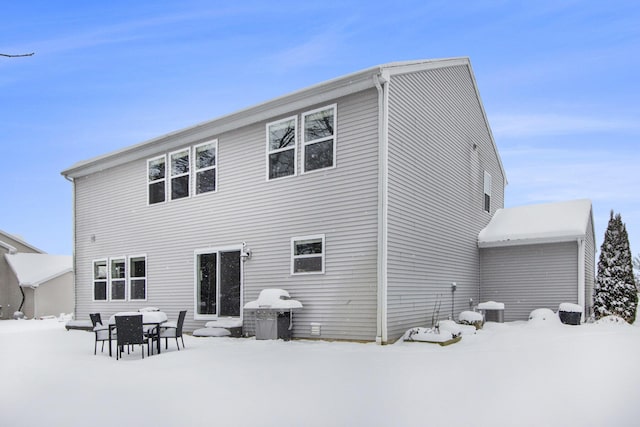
<point>383,91</point>
<point>73,239</point>
<point>581,275</point>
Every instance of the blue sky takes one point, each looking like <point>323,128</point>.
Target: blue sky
<point>558,80</point>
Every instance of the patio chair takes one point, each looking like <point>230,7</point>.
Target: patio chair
<point>101,331</point>
<point>173,330</point>
<point>130,332</point>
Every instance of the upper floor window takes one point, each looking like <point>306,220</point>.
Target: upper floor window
<point>205,156</point>
<point>156,175</point>
<point>100,280</point>
<point>487,192</point>
<point>179,174</point>
<point>318,143</point>
<point>307,254</point>
<point>281,148</point>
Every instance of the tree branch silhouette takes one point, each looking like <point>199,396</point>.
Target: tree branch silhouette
<point>17,56</point>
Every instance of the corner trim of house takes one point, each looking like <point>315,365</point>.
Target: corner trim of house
<point>382,85</point>
<point>581,274</point>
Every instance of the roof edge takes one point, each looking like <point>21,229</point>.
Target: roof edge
<point>46,279</point>
<point>22,242</point>
<point>530,241</point>
<point>315,94</point>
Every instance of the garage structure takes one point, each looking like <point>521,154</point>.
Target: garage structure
<point>538,256</point>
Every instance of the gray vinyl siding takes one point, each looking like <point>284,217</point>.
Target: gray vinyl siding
<point>590,266</point>
<point>435,192</point>
<point>341,203</point>
<point>529,277</point>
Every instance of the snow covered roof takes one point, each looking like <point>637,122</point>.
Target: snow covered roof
<point>34,269</point>
<point>543,223</point>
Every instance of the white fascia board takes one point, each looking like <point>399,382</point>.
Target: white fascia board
<point>19,240</point>
<point>8,247</point>
<point>529,241</point>
<point>34,285</point>
<point>406,67</point>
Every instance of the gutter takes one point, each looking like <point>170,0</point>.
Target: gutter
<point>382,85</point>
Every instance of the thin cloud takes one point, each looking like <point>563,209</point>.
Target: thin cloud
<point>316,50</point>
<point>527,125</point>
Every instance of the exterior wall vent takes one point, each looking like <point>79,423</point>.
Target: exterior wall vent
<point>315,329</point>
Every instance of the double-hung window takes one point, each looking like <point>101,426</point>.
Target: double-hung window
<point>307,254</point>
<point>138,277</point>
<point>319,139</point>
<point>156,178</point>
<point>179,161</point>
<point>205,158</point>
<point>117,279</point>
<point>100,280</point>
<point>281,148</point>
<point>487,192</point>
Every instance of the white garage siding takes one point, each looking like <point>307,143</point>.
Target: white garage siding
<point>528,277</point>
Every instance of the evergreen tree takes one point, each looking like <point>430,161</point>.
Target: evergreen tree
<point>615,292</point>
<point>636,269</point>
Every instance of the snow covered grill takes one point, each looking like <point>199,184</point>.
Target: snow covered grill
<point>274,314</point>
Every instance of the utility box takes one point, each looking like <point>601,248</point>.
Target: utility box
<point>492,311</point>
<point>273,324</point>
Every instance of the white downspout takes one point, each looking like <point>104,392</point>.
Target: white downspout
<point>581,275</point>
<point>73,239</point>
<point>383,117</point>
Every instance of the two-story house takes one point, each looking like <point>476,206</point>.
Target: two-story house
<point>362,196</point>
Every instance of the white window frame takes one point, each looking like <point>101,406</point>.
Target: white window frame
<point>294,257</point>
<point>94,280</point>
<point>269,151</point>
<point>213,142</point>
<point>112,279</point>
<point>487,192</point>
<point>180,175</point>
<point>164,180</point>
<point>130,278</point>
<point>306,143</point>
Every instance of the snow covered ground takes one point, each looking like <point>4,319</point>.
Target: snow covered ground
<point>512,374</point>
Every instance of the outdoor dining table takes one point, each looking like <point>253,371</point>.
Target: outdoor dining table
<point>151,319</point>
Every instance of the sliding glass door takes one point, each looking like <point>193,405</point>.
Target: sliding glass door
<point>218,283</point>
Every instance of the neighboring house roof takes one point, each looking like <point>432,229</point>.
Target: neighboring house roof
<point>34,269</point>
<point>17,239</point>
<point>8,247</point>
<point>543,223</point>
<point>319,93</point>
